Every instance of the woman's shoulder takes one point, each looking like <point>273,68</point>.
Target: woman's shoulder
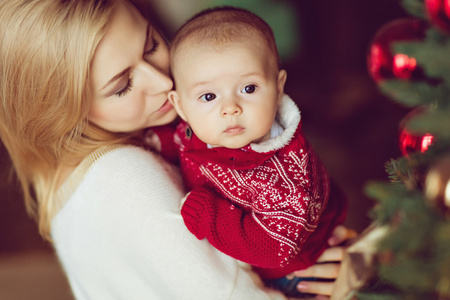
<point>122,155</point>
<point>128,181</point>
<point>133,162</point>
<point>119,153</point>
<point>123,167</point>
<point>126,158</point>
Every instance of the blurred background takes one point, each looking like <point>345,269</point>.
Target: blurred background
<point>351,125</point>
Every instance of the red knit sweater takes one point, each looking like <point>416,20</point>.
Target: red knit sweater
<point>270,209</point>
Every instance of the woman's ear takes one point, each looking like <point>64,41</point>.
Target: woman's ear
<point>282,76</point>
<point>174,98</point>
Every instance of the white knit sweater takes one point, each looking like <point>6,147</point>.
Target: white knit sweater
<point>119,235</point>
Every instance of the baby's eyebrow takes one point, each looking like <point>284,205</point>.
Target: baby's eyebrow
<point>251,74</point>
<point>199,84</point>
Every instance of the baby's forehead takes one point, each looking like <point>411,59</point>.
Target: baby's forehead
<point>215,45</point>
<point>236,58</point>
<point>218,50</point>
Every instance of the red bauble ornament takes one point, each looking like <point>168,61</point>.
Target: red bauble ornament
<point>439,13</point>
<point>410,143</point>
<point>383,63</point>
<point>413,142</point>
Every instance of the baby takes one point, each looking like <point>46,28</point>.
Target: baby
<point>257,190</point>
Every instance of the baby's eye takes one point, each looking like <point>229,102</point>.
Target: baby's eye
<point>249,89</point>
<point>208,97</point>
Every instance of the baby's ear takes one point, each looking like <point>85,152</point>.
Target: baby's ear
<point>282,76</point>
<point>174,98</point>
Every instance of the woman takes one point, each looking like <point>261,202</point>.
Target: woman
<point>80,81</point>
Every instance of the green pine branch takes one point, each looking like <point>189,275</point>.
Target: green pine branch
<point>415,8</point>
<point>410,93</point>
<point>436,123</point>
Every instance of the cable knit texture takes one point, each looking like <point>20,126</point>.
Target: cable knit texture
<point>265,204</point>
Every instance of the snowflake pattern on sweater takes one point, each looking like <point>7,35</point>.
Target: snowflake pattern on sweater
<point>285,199</point>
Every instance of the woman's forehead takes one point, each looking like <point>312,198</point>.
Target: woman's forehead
<point>121,46</point>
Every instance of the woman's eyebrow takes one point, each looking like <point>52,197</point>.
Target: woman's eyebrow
<point>119,75</point>
<point>149,27</point>
<point>115,78</point>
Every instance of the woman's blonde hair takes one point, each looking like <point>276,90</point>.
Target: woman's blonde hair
<point>46,48</point>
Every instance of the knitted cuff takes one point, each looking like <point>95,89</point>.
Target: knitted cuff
<point>197,205</point>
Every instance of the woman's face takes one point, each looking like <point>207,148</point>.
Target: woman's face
<point>130,75</point>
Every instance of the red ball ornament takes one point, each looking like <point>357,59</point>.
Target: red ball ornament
<point>383,63</point>
<point>439,13</point>
<point>412,142</point>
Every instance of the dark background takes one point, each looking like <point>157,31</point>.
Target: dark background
<point>350,124</point>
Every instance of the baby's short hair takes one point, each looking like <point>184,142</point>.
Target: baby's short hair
<point>226,24</point>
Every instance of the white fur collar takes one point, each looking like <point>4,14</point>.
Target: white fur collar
<point>288,116</point>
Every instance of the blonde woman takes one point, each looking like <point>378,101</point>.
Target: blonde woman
<point>80,80</point>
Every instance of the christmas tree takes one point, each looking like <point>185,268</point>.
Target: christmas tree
<point>409,59</point>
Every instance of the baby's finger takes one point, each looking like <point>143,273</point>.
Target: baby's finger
<point>316,287</point>
<point>325,270</point>
<point>332,254</point>
<point>341,234</point>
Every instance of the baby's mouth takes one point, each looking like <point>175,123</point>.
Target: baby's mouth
<point>233,130</point>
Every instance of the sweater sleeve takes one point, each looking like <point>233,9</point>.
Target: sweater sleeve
<point>120,236</point>
<point>231,230</point>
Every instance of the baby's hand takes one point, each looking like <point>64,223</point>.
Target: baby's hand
<point>183,200</point>
<point>152,141</point>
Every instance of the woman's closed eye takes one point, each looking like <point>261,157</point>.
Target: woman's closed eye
<point>154,45</point>
<point>126,88</point>
<point>128,81</point>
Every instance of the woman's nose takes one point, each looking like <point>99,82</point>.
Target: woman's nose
<point>230,107</point>
<point>155,79</point>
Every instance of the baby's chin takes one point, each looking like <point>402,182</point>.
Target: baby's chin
<point>236,143</point>
<point>231,145</point>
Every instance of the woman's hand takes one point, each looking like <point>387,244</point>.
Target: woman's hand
<point>327,265</point>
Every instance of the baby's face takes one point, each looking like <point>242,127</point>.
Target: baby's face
<point>228,95</point>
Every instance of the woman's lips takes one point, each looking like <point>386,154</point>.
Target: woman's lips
<point>166,106</point>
